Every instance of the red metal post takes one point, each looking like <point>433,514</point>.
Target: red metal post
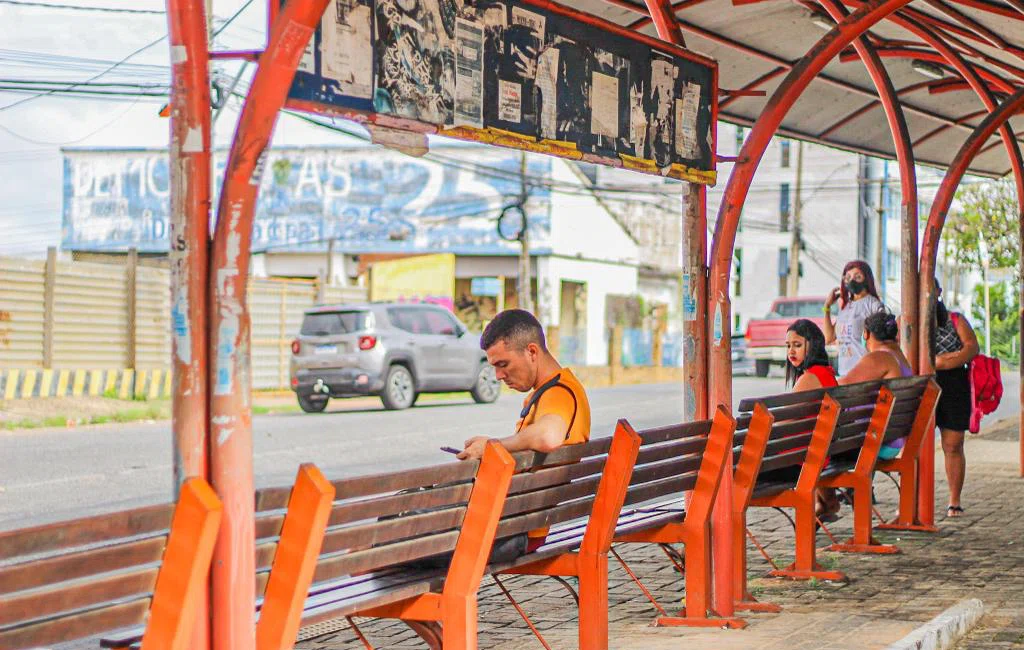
<point>887,94</point>
<point>231,414</point>
<point>695,285</point>
<point>757,142</point>
<point>190,168</point>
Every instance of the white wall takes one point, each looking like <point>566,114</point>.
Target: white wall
<point>601,278</point>
<point>581,227</point>
<point>829,217</point>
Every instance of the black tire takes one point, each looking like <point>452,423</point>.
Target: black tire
<point>487,388</point>
<point>312,406</point>
<point>761,367</point>
<point>399,389</point>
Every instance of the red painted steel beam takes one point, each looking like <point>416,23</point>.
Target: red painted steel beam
<point>935,57</point>
<point>944,198</point>
<point>934,132</point>
<point>908,182</point>
<point>787,93</point>
<point>676,8</point>
<point>976,28</point>
<point>236,55</point>
<point>835,126</point>
<point>696,335</point>
<point>765,78</point>
<point>994,8</point>
<point>190,168</point>
<point>231,461</point>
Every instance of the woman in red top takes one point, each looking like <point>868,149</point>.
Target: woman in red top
<point>808,368</point>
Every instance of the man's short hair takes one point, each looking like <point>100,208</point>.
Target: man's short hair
<point>516,327</point>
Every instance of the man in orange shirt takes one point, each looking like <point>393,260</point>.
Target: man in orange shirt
<point>555,413</point>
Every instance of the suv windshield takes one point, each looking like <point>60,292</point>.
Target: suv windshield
<point>800,309</point>
<point>334,323</point>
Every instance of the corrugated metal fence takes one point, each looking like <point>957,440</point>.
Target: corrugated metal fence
<point>85,317</point>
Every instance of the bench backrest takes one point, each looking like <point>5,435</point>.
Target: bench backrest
<point>74,579</point>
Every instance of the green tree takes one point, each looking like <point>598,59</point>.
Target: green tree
<point>990,208</point>
<point>1005,320</point>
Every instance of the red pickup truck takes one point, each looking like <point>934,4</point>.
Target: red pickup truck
<point>766,338</point>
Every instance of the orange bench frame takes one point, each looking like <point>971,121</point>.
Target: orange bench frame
<point>906,464</point>
<point>694,531</point>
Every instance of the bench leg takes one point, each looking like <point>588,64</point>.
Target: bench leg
<point>698,588</point>
<point>907,518</point>
<point>745,601</point>
<point>863,541</point>
<point>593,594</point>
<point>806,565</point>
<point>459,627</point>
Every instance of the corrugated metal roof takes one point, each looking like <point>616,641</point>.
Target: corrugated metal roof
<point>752,40</point>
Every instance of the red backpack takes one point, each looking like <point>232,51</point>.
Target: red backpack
<point>986,385</point>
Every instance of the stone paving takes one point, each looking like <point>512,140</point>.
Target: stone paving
<point>980,555</point>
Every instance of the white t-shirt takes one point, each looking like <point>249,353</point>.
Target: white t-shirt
<point>850,331</point>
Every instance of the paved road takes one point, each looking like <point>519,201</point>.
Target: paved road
<point>48,475</point>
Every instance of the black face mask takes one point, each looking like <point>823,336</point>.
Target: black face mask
<point>856,286</point>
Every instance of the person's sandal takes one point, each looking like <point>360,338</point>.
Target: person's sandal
<point>953,512</point>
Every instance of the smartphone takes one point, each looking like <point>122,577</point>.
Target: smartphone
<point>451,450</point>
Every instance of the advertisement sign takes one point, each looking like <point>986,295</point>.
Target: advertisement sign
<point>425,278</point>
<point>365,199</point>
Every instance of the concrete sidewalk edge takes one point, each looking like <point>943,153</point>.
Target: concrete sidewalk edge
<point>943,631</point>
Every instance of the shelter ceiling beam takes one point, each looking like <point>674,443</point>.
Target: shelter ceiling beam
<point>994,8</point>
<point>934,132</point>
<point>676,8</point>
<point>766,77</point>
<point>993,39</point>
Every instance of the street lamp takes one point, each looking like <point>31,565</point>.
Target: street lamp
<point>983,251</point>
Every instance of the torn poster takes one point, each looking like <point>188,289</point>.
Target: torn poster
<point>308,61</point>
<point>686,121</point>
<point>416,60</point>
<point>346,48</point>
<point>469,78</point>
<point>604,105</point>
<point>510,101</point>
<point>534,21</point>
<point>637,119</point>
<point>660,111</point>
<point>547,91</point>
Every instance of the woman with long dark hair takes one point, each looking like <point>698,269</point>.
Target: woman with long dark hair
<point>858,299</point>
<point>955,344</point>
<point>808,368</point>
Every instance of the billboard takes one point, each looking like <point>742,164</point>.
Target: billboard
<point>366,200</point>
<point>427,278</point>
<point>521,73</point>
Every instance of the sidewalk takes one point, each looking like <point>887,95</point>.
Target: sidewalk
<point>980,555</point>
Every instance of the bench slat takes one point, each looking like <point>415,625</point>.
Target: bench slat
<point>36,573</point>
<point>85,531</point>
<point>75,626</point>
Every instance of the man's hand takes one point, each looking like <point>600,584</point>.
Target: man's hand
<point>474,448</point>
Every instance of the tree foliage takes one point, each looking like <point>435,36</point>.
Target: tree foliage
<point>1005,320</point>
<point>989,208</point>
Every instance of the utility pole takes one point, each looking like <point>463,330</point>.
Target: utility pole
<point>525,301</point>
<point>793,286</point>
<point>329,280</point>
<point>880,236</point>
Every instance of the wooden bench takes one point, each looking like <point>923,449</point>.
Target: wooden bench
<point>847,423</point>
<point>78,579</point>
<point>676,460</point>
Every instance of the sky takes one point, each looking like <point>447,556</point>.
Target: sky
<point>56,44</point>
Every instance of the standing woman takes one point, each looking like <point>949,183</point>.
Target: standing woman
<point>955,346</point>
<point>858,299</point>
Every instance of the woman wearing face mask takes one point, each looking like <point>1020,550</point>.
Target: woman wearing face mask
<point>858,299</point>
<point>808,368</point>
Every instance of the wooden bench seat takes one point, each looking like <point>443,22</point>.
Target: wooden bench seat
<point>79,579</point>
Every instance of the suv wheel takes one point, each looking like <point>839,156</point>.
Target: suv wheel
<point>312,406</point>
<point>487,388</point>
<point>399,389</point>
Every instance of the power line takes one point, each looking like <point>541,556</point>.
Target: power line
<point>111,10</point>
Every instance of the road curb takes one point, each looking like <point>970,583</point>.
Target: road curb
<point>943,631</point>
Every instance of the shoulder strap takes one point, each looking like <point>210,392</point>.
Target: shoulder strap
<point>554,382</point>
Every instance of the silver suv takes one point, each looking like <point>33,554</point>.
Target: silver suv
<point>394,350</point>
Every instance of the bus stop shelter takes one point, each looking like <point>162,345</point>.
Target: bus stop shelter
<point>938,82</point>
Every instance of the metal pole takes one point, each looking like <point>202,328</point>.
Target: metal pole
<point>794,249</point>
<point>231,463</point>
<point>880,236</point>
<point>525,294</point>
<point>786,94</point>
<point>929,253</point>
<point>190,178</point>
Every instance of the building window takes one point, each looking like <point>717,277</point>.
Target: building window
<point>784,207</point>
<point>737,272</point>
<point>741,133</point>
<point>784,154</point>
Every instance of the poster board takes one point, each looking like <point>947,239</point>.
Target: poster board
<point>527,74</point>
<point>424,278</point>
